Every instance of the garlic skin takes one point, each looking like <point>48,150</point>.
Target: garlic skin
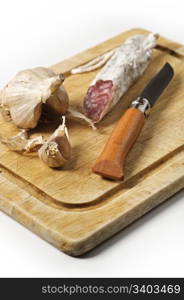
<point>78,116</point>
<point>57,150</point>
<point>17,142</point>
<point>25,94</point>
<point>58,102</point>
<point>22,143</point>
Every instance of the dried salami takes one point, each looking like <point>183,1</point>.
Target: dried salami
<point>126,64</point>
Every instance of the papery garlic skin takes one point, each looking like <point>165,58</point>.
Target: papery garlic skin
<point>57,150</point>
<point>22,143</point>
<point>17,142</point>
<point>78,116</point>
<point>25,94</point>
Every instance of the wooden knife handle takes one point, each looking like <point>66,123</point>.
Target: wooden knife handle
<point>111,161</point>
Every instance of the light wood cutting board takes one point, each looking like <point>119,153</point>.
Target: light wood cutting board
<point>74,209</point>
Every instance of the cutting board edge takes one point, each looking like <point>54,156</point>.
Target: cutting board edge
<point>88,240</point>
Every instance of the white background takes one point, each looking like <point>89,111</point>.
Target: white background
<point>42,33</point>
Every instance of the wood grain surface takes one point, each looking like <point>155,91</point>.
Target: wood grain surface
<point>75,209</point>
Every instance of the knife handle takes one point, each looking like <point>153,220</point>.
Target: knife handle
<point>111,161</point>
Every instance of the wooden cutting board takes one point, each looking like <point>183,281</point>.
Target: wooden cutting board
<point>74,209</point>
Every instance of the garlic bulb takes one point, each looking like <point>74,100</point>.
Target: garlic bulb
<point>25,94</point>
<point>57,150</point>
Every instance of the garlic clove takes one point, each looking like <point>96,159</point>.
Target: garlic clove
<point>51,155</point>
<point>22,143</point>
<point>33,145</point>
<point>57,150</point>
<point>58,102</point>
<point>17,142</point>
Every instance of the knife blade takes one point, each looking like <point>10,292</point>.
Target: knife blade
<point>157,85</point>
<point>110,162</point>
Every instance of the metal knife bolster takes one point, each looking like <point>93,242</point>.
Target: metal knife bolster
<point>142,104</point>
<point>153,90</point>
